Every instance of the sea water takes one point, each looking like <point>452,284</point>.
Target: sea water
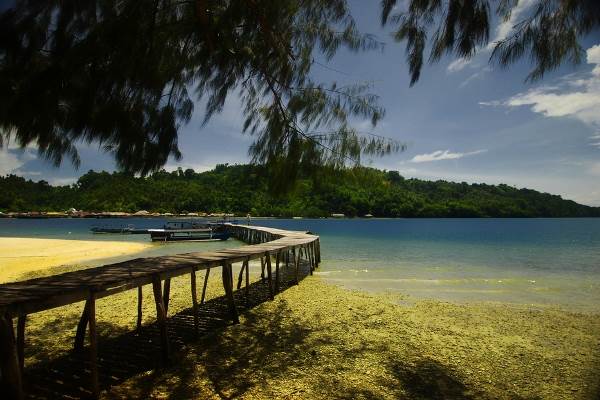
<point>527,261</point>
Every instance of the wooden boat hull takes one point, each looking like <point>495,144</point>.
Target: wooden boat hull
<point>123,231</point>
<point>163,235</point>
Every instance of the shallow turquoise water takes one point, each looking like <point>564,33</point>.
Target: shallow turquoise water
<point>531,261</point>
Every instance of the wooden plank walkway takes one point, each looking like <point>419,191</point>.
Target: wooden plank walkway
<point>19,299</point>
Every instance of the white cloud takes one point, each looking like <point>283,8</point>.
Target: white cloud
<point>12,158</point>
<point>593,54</point>
<point>458,64</point>
<point>577,96</point>
<point>8,162</point>
<point>442,155</point>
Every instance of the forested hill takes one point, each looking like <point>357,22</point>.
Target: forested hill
<point>243,189</point>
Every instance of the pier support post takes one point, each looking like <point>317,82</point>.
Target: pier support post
<point>166,294</point>
<point>161,317</point>
<point>194,300</point>
<point>93,336</point>
<point>228,286</point>
<point>296,266</point>
<point>204,286</point>
<point>318,252</point>
<point>12,384</point>
<point>81,326</point>
<point>262,269</point>
<point>309,255</point>
<point>277,278</point>
<point>138,326</point>
<point>241,275</point>
<point>287,259</point>
<point>247,288</point>
<point>269,275</point>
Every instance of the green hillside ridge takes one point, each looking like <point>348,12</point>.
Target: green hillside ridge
<point>244,189</point>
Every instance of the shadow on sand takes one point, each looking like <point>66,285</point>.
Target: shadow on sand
<point>272,346</point>
<point>129,353</point>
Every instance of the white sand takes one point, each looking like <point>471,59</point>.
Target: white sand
<point>21,255</point>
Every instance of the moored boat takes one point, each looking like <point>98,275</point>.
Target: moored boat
<point>191,231</point>
<point>129,229</point>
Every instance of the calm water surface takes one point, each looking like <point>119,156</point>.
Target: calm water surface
<point>531,261</point>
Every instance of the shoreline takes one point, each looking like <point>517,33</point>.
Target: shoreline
<point>22,256</point>
<point>242,218</point>
<point>360,344</point>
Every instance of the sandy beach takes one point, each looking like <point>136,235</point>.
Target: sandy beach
<point>19,256</point>
<point>317,340</point>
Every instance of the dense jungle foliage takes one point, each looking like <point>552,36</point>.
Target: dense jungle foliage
<point>244,189</point>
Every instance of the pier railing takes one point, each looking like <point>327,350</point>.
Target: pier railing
<point>18,299</point>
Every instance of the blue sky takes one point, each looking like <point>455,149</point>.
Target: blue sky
<point>465,120</point>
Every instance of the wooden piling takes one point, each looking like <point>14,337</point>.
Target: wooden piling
<point>138,325</point>
<point>296,266</point>
<point>167,294</point>
<point>247,288</point>
<point>228,286</point>
<point>277,278</point>
<point>269,276</point>
<point>161,317</point>
<point>194,300</point>
<point>241,275</point>
<point>81,326</point>
<point>204,286</point>
<point>93,337</point>
<point>12,384</point>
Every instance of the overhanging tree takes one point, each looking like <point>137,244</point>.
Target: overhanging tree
<point>124,73</point>
<point>548,33</point>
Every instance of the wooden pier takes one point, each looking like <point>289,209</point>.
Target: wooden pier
<point>18,299</point>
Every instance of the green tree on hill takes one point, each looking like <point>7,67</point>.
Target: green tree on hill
<point>245,189</point>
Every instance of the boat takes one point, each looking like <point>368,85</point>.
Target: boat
<point>175,231</point>
<point>129,229</point>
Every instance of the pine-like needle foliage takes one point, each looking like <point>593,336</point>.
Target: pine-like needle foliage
<point>548,33</point>
<point>125,74</point>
